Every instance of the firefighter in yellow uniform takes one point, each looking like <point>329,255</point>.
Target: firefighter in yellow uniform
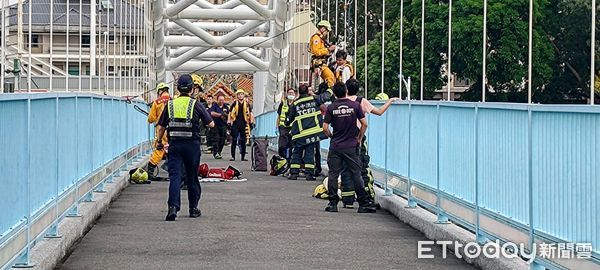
<point>321,50</point>
<point>156,111</point>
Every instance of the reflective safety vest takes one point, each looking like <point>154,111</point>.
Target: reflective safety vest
<point>284,110</point>
<point>181,111</point>
<point>307,126</point>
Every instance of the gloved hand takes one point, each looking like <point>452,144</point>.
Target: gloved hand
<point>159,145</point>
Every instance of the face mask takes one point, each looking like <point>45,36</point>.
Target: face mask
<point>291,97</point>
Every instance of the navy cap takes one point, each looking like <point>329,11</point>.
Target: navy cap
<point>185,83</point>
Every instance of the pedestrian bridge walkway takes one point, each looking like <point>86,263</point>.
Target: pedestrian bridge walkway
<point>265,223</point>
<point>515,173</point>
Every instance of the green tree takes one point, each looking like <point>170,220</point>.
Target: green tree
<point>560,51</point>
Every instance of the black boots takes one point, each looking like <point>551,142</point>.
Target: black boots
<point>195,212</point>
<point>172,214</point>
<point>310,177</point>
<point>293,177</point>
<point>367,207</point>
<point>331,207</point>
<point>151,171</point>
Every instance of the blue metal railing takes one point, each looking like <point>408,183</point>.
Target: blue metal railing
<point>57,148</point>
<point>490,166</point>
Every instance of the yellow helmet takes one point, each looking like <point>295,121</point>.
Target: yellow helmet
<point>240,91</point>
<point>320,192</point>
<point>325,24</point>
<point>138,176</point>
<point>382,96</point>
<point>197,79</point>
<point>161,86</point>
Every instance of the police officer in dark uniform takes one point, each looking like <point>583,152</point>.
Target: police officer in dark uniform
<point>181,119</point>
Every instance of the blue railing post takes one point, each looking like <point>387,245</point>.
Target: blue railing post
<point>534,265</point>
<point>53,232</point>
<point>442,218</point>
<point>24,261</point>
<point>388,190</point>
<point>411,202</point>
<point>74,211</point>
<point>478,236</point>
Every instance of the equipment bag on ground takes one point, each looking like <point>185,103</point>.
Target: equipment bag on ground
<point>259,154</point>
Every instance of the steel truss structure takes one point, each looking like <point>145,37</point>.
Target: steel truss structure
<point>238,36</point>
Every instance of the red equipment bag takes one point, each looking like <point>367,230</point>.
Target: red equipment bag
<point>203,170</point>
<point>221,173</point>
<point>216,173</point>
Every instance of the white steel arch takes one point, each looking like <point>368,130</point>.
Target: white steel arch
<point>238,36</point>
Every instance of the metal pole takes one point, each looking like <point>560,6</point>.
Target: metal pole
<point>401,46</point>
<point>484,56</point>
<point>100,58</point>
<point>593,56</point>
<point>106,48</point>
<point>422,44</point>
<point>92,42</point>
<point>329,10</point>
<point>529,54</point>
<point>28,180</point>
<point>383,50</point>
<point>346,23</point>
<point>3,40</point>
<point>449,47</point>
<point>51,79</point>
<point>321,11</point>
<point>355,35</point>
<point>30,40</point>
<point>366,52</point>
<point>121,44</point>
<point>67,78</point>
<point>114,51</point>
<point>79,73</point>
<point>337,11</point>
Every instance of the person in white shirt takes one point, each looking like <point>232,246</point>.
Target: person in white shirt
<point>343,70</point>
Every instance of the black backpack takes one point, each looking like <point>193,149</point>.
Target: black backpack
<point>259,154</point>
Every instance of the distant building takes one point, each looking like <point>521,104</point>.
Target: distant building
<point>116,49</point>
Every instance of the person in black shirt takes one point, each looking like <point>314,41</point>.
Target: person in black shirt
<point>344,148</point>
<point>219,112</point>
<point>181,120</point>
